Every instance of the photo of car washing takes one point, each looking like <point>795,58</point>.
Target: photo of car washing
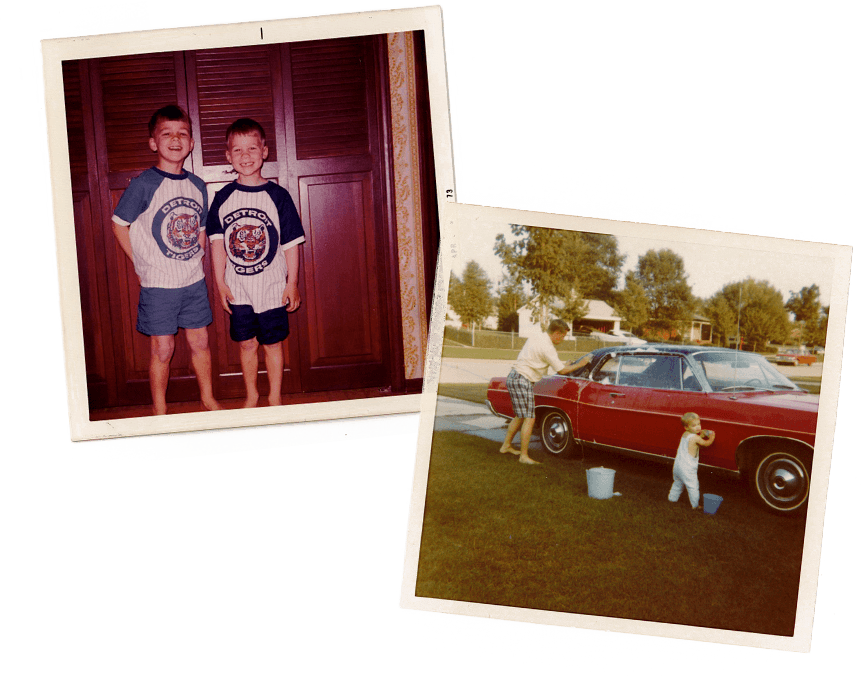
<point>617,430</point>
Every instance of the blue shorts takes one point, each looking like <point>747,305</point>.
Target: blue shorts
<point>163,311</point>
<point>268,327</point>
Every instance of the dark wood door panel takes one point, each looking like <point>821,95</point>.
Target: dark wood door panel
<point>345,318</point>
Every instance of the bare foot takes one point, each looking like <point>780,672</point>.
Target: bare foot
<point>526,460</point>
<point>251,402</point>
<point>211,404</point>
<point>509,450</point>
<point>275,402</point>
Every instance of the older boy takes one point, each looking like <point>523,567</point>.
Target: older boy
<point>536,357</point>
<point>159,223</point>
<point>255,232</point>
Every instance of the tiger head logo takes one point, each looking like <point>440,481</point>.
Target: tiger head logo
<point>183,230</point>
<point>248,243</point>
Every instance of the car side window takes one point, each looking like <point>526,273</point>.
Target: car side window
<point>661,372</point>
<point>689,380</point>
<point>607,372</point>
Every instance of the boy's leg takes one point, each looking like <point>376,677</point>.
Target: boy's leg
<point>693,489</point>
<point>161,352</point>
<point>274,359</point>
<point>675,490</point>
<point>526,434</point>
<point>507,448</point>
<point>249,362</point>
<point>198,340</point>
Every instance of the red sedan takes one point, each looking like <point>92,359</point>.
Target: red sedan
<point>629,400</point>
<point>795,357</point>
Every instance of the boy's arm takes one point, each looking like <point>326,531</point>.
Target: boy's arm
<point>219,264</point>
<point>290,296</point>
<point>707,441</point>
<point>121,233</point>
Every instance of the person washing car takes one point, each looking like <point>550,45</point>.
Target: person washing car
<point>537,356</point>
<point>687,459</point>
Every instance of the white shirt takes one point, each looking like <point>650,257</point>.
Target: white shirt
<point>537,356</point>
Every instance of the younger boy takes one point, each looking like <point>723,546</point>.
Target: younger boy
<point>687,455</point>
<point>159,223</point>
<point>255,231</point>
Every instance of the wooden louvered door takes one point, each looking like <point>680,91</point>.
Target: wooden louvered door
<point>335,171</point>
<point>324,107</point>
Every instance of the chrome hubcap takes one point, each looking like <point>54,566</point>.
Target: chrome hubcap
<point>785,481</point>
<point>556,434</point>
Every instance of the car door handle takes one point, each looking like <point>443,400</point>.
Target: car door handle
<point>618,394</point>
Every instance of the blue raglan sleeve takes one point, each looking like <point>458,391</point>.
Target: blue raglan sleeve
<point>215,230</point>
<point>136,198</point>
<point>201,186</point>
<point>292,232</point>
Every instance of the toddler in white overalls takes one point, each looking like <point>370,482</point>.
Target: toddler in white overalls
<point>687,454</point>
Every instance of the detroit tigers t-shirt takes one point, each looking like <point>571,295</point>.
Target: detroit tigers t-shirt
<point>257,224</point>
<point>165,214</point>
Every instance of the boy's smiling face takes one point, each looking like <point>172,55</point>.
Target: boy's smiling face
<point>246,153</point>
<point>172,141</point>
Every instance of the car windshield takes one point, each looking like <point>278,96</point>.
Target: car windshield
<point>729,371</point>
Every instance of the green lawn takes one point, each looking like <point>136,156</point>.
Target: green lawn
<point>501,533</point>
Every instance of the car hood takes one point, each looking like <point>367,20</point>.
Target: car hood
<point>796,401</point>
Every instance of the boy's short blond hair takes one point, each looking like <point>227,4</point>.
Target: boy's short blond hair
<point>689,418</point>
<point>244,127</point>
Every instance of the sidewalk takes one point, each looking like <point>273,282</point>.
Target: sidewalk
<point>473,419</point>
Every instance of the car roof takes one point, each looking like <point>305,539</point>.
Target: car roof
<point>666,348</point>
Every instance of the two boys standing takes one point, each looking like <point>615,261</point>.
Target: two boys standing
<point>161,223</point>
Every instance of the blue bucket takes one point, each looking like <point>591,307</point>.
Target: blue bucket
<point>711,503</point>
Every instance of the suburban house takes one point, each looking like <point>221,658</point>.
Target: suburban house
<point>600,316</point>
<point>699,331</point>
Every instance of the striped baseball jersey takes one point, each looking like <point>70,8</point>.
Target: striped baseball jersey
<point>258,224</point>
<point>165,214</point>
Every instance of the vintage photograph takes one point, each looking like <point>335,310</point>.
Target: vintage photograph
<point>627,418</point>
<point>255,223</point>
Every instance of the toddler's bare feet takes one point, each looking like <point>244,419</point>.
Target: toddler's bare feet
<point>526,460</point>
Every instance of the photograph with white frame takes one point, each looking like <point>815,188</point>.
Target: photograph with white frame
<point>348,105</point>
<point>712,259</point>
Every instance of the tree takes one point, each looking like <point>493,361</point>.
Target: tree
<point>470,295</point>
<point>805,305</point>
<point>572,307</point>
<point>509,301</point>
<point>756,307</point>
<point>553,262</point>
<point>632,305</point>
<point>722,316</point>
<point>815,329</point>
<point>662,276</point>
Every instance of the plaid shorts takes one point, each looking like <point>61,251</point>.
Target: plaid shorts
<point>521,391</point>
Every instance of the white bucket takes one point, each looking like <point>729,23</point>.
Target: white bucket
<point>600,482</point>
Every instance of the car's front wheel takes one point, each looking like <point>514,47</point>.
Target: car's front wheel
<point>555,430</point>
<point>781,479</point>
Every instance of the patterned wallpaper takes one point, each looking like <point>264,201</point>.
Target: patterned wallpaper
<point>405,132</point>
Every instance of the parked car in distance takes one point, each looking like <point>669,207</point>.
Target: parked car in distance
<point>796,357</point>
<point>629,400</point>
<point>618,337</point>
